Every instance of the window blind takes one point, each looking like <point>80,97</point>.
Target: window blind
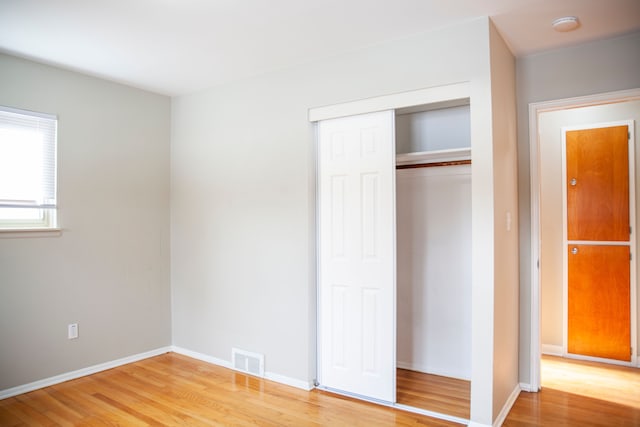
<point>27,159</point>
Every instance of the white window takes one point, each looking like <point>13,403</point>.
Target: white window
<point>27,170</point>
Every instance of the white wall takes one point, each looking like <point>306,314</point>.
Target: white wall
<point>109,270</point>
<point>433,219</point>
<point>596,67</point>
<point>551,232</point>
<point>433,216</point>
<point>242,209</point>
<point>440,129</point>
<point>505,175</point>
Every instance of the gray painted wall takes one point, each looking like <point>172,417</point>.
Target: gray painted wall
<point>243,155</point>
<point>242,204</point>
<point>109,270</point>
<point>591,68</point>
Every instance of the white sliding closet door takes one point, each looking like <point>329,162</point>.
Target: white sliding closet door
<point>357,255</point>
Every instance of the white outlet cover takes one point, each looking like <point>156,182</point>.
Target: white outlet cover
<point>72,331</point>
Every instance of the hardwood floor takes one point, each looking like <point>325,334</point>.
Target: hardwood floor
<point>577,393</point>
<point>173,390</point>
<point>176,390</point>
<point>432,392</point>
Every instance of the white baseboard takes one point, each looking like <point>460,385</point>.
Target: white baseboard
<point>528,388</point>
<point>25,388</point>
<point>502,416</point>
<point>203,357</point>
<point>430,370</point>
<point>600,360</point>
<point>558,350</point>
<point>507,406</point>
<point>552,350</point>
<point>304,385</point>
<point>410,367</point>
<point>271,376</point>
<point>432,414</point>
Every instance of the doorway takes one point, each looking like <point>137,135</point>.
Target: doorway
<point>548,246</point>
<point>356,245</point>
<point>433,223</point>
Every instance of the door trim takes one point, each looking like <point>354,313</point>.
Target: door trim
<point>631,244</point>
<point>535,109</point>
<point>430,98</point>
<point>415,100</point>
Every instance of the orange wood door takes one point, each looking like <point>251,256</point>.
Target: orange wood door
<point>598,184</point>
<point>599,301</point>
<point>599,308</point>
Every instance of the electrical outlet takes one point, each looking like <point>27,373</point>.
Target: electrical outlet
<point>72,331</point>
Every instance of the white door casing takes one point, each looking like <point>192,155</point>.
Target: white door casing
<point>536,110</point>
<point>356,238</point>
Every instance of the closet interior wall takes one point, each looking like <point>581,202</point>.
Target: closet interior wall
<point>434,242</point>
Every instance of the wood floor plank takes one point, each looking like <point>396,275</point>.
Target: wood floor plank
<point>176,400</point>
<point>436,393</point>
<point>592,379</point>
<point>8,419</point>
<point>28,416</point>
<point>578,393</point>
<point>175,390</point>
<point>43,402</point>
<point>172,389</point>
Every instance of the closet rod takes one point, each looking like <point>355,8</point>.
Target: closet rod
<point>434,164</point>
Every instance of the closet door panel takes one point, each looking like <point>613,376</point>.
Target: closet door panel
<point>356,241</point>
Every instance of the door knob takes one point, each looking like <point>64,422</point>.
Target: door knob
<point>574,251</point>
<point>573,182</point>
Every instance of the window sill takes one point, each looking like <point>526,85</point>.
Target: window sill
<point>10,233</point>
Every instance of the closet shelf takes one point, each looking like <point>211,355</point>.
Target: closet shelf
<point>437,156</point>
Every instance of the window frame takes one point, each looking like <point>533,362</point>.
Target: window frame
<point>47,221</point>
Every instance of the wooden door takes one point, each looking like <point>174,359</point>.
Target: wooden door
<point>599,301</point>
<point>598,243</point>
<point>357,255</point>
<point>598,184</point>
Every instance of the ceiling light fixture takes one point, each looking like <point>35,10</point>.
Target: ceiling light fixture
<point>566,23</point>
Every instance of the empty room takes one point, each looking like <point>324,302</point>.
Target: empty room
<point>419,212</point>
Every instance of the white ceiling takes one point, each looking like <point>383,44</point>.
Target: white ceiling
<point>175,47</point>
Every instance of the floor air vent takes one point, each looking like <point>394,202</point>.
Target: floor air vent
<point>247,362</point>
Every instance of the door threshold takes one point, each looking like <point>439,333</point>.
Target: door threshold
<point>399,406</point>
<point>431,414</point>
<point>602,360</point>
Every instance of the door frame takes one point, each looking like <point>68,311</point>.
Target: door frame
<point>424,99</point>
<point>631,244</point>
<point>535,109</point>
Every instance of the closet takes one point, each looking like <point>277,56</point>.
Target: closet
<point>394,246</point>
<point>433,267</point>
